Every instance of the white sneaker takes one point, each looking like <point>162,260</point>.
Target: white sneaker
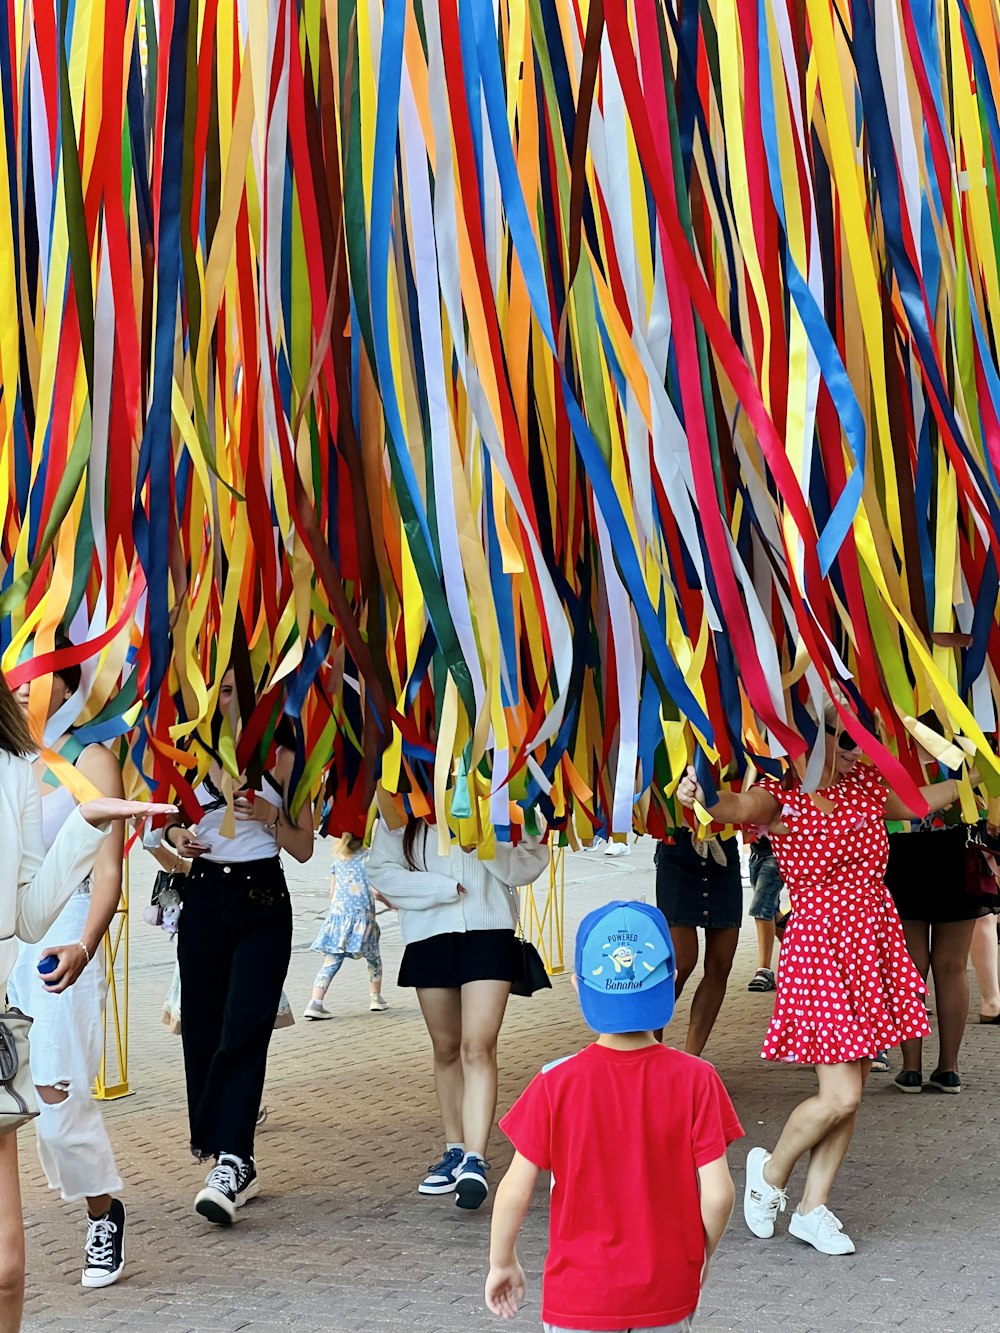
<point>822,1230</point>
<point>314,1009</point>
<point>761,1202</point>
<point>378,1004</point>
<point>617,849</point>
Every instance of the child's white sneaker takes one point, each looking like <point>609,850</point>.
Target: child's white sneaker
<point>761,1202</point>
<point>378,1004</point>
<point>822,1230</point>
<point>314,1009</point>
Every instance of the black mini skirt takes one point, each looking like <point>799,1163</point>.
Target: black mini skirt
<point>448,962</point>
<point>693,890</point>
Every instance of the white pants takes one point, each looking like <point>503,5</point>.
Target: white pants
<point>67,1041</point>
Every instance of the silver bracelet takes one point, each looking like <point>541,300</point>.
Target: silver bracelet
<point>85,949</point>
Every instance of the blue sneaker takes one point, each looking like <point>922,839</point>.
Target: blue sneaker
<point>440,1178</point>
<point>471,1188</point>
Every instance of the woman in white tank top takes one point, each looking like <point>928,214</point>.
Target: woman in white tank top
<point>35,884</point>
<point>67,1004</point>
<point>233,945</point>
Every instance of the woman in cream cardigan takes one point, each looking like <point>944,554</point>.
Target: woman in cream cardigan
<point>34,887</point>
<point>457,916</point>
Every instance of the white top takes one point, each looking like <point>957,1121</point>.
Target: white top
<point>35,884</point>
<point>428,900</point>
<point>253,842</point>
<point>58,803</point>
<point>57,806</point>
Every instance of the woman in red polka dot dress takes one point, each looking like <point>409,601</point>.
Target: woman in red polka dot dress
<point>846,986</point>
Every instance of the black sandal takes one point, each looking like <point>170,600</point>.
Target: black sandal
<point>763,980</point>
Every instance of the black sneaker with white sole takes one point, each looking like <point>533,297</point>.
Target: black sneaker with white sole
<point>104,1257</point>
<point>471,1188</point>
<point>229,1185</point>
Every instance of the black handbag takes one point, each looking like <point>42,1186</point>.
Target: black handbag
<point>529,970</point>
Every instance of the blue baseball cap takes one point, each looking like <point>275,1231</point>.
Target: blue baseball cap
<point>625,968</point>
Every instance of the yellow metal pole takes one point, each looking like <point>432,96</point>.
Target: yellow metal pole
<point>112,1077</point>
<point>544,926</point>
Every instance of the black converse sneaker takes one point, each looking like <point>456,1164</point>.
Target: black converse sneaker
<point>229,1185</point>
<point>248,1185</point>
<point>104,1257</point>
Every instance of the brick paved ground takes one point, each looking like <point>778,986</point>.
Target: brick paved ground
<point>339,1238</point>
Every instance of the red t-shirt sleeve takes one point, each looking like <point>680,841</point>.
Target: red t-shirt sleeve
<point>716,1124</point>
<point>528,1124</point>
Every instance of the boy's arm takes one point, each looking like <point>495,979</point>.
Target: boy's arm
<point>505,1283</point>
<point>718,1194</point>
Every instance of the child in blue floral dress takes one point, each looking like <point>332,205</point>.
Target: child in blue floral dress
<point>350,929</point>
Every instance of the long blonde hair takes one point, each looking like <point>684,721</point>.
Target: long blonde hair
<point>15,738</point>
<point>349,845</point>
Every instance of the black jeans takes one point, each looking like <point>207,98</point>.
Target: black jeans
<point>234,941</point>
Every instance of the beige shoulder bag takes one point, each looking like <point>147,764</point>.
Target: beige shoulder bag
<point>18,1104</point>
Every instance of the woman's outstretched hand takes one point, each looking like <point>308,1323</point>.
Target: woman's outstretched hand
<point>105,810</point>
<point>689,789</point>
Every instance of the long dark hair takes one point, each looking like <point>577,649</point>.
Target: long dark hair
<point>413,826</point>
<point>15,738</point>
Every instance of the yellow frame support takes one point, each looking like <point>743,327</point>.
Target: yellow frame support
<point>115,960</point>
<point>543,921</point>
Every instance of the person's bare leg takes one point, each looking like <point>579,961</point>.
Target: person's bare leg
<point>812,1120</point>
<point>11,1239</point>
<point>720,950</point>
<point>827,1156</point>
<point>765,942</point>
<point>950,941</point>
<point>483,1005</point>
<point>918,946</point>
<point>442,1011</point>
<point>685,942</point>
<point>984,962</point>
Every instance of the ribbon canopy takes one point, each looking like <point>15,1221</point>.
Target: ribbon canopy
<point>524,398</point>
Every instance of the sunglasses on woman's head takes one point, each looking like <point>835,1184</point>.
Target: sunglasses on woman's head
<point>845,741</point>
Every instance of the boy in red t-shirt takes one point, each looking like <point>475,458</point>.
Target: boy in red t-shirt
<point>635,1136</point>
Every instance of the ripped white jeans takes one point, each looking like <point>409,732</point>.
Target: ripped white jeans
<point>67,1039</point>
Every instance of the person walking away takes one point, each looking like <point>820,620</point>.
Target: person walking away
<point>846,986</point>
<point>765,882</point>
<point>350,929</point>
<point>35,885</point>
<point>457,916</point>
<point>653,1122</point>
<point>67,1004</point>
<point>233,946</point>
<point>939,907</point>
<point>698,887</point>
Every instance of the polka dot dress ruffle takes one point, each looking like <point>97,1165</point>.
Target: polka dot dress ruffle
<point>846,986</point>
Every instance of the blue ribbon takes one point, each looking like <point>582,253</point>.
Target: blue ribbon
<point>597,469</point>
<point>152,534</point>
<point>823,344</point>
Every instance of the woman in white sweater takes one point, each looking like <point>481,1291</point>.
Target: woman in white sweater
<point>457,915</point>
<point>34,887</point>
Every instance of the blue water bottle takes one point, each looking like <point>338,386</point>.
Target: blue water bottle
<point>48,964</point>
